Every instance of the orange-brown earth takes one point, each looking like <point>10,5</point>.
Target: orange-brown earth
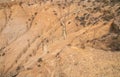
<point>57,38</point>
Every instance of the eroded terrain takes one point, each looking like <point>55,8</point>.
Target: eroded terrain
<point>57,38</point>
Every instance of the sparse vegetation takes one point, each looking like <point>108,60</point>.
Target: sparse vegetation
<point>60,38</point>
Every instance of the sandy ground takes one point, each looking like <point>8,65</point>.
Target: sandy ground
<point>43,39</point>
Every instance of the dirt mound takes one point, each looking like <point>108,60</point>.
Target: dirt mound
<point>54,38</point>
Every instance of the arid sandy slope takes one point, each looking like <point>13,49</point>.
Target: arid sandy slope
<point>60,38</point>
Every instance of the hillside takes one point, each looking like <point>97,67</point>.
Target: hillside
<point>60,38</point>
